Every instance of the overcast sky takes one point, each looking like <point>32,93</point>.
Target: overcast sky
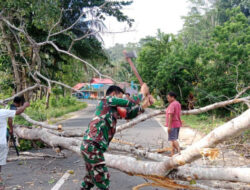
<point>149,16</point>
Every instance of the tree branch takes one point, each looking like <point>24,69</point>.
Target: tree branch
<point>56,24</point>
<point>18,29</point>
<point>215,105</point>
<point>79,59</point>
<point>242,92</point>
<point>144,117</point>
<point>2,102</point>
<point>24,58</point>
<point>37,123</point>
<point>139,119</point>
<point>71,26</point>
<point>56,82</point>
<point>80,38</point>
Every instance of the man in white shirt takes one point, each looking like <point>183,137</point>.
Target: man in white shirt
<point>4,115</point>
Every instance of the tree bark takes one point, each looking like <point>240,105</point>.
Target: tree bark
<point>139,152</point>
<point>48,97</point>
<point>222,174</point>
<point>37,123</point>
<point>11,53</point>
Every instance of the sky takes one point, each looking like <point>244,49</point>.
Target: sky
<point>149,15</point>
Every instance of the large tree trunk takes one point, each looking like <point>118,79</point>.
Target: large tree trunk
<point>226,131</point>
<point>222,174</point>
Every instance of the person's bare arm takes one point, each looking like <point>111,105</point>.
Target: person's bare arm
<point>21,109</point>
<point>170,121</point>
<point>10,123</point>
<point>144,89</point>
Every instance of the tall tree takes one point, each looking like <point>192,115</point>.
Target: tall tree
<point>73,26</point>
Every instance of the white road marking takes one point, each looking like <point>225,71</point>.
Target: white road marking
<point>61,181</point>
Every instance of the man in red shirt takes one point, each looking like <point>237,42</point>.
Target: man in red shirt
<point>173,121</point>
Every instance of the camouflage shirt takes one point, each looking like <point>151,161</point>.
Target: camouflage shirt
<point>103,126</point>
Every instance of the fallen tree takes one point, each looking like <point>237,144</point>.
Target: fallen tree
<point>37,123</point>
<point>144,117</point>
<point>164,167</point>
<point>137,120</point>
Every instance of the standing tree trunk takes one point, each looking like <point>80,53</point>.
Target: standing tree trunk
<point>11,53</point>
<point>47,97</point>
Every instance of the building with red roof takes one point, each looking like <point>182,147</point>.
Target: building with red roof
<point>98,86</point>
<point>101,81</point>
<point>79,86</point>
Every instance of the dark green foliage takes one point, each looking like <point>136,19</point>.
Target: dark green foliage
<point>38,17</point>
<point>213,67</point>
<point>28,144</point>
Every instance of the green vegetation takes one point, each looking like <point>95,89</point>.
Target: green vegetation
<point>58,107</point>
<point>209,57</point>
<point>203,123</point>
<point>166,63</point>
<point>37,19</point>
<point>28,144</point>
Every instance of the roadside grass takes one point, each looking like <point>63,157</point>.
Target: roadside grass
<point>203,122</point>
<point>206,123</point>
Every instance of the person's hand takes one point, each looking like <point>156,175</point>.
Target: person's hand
<point>151,99</point>
<point>26,104</point>
<point>146,102</point>
<point>144,89</point>
<point>169,130</point>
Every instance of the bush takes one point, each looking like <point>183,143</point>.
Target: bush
<point>202,117</point>
<point>28,144</point>
<point>60,101</point>
<point>204,122</point>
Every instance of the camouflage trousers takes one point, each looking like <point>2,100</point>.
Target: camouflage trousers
<point>97,172</point>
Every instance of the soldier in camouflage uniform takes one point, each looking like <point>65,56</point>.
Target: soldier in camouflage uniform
<point>101,131</point>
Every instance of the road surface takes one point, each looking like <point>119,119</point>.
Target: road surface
<point>44,174</point>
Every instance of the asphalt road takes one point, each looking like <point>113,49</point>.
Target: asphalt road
<point>44,174</point>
